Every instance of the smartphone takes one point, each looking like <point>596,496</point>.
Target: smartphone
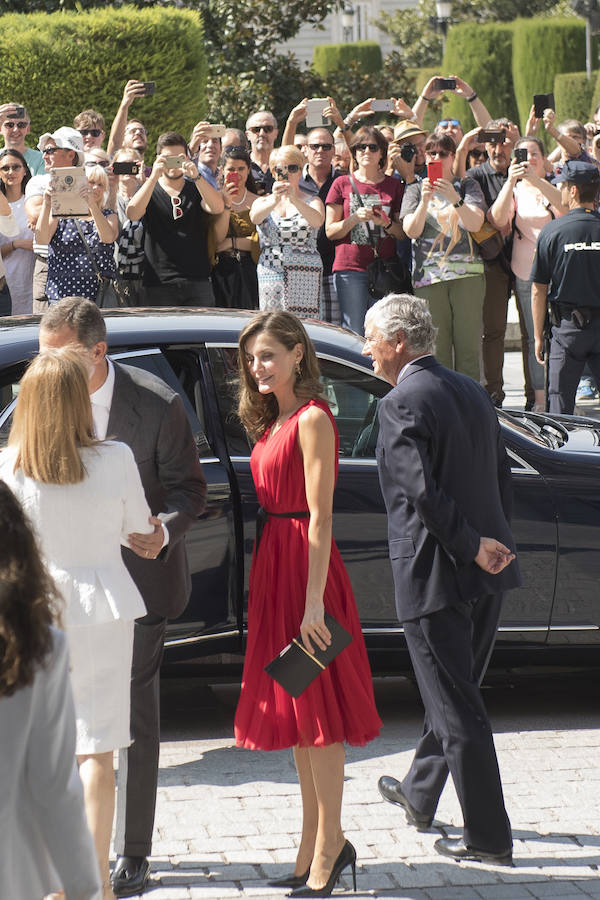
<point>542,102</point>
<point>314,112</point>
<point>149,88</point>
<point>217,131</point>
<point>69,192</point>
<point>434,171</point>
<point>408,152</point>
<point>174,162</point>
<point>377,208</point>
<point>18,113</point>
<point>126,168</point>
<point>445,84</point>
<point>491,137</point>
<point>521,154</point>
<point>232,178</point>
<point>382,105</point>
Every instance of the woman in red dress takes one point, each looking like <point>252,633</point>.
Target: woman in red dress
<point>297,575</point>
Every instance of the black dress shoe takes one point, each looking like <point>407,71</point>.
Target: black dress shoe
<point>391,790</point>
<point>291,881</point>
<point>130,876</point>
<point>456,848</point>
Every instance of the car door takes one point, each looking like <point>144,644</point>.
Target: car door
<point>211,621</point>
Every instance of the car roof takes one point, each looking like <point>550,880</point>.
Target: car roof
<point>141,327</point>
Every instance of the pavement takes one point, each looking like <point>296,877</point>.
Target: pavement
<point>228,819</point>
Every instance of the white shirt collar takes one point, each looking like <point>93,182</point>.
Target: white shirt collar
<point>405,367</point>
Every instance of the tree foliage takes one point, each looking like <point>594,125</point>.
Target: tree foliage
<point>419,44</point>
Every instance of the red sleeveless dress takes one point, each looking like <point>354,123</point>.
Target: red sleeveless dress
<point>339,704</point>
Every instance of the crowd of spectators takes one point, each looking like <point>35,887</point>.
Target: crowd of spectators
<point>240,219</point>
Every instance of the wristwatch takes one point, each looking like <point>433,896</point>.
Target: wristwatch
<point>458,203</point>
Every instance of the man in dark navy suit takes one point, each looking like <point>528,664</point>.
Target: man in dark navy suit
<point>445,478</point>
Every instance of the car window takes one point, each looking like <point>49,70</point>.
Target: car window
<point>353,395</point>
<point>9,390</point>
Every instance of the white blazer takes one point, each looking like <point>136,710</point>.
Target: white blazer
<point>45,843</point>
<point>80,528</point>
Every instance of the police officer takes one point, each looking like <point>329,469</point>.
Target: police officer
<point>566,271</point>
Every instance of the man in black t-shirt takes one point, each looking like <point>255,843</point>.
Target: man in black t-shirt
<point>175,204</point>
<point>491,176</point>
<point>566,271</point>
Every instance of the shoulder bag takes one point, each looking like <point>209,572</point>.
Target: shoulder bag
<point>386,276</point>
<point>110,293</point>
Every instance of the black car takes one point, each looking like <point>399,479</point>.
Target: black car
<point>554,617</point>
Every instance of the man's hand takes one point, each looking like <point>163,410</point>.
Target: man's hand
<point>462,88</point>
<point>148,546</point>
<point>333,113</point>
<point>493,556</point>
<point>200,133</point>
<point>6,110</point>
<point>298,114</point>
<point>402,109</point>
<point>405,169</point>
<point>132,90</point>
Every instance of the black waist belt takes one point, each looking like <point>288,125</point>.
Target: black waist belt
<point>565,310</point>
<point>262,515</point>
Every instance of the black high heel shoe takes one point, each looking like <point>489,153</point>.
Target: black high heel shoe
<point>291,881</point>
<point>346,858</point>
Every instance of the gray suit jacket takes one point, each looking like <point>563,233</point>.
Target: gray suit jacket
<point>148,416</point>
<point>446,482</point>
<point>45,843</point>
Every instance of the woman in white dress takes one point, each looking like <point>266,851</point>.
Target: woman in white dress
<point>83,498</point>
<point>17,251</point>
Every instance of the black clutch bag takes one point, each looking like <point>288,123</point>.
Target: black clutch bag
<point>295,668</point>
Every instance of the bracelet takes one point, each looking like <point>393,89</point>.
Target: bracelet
<point>458,203</point>
<point>12,246</point>
<point>472,97</point>
<point>197,178</point>
<point>347,124</point>
<point>387,227</point>
<point>426,99</point>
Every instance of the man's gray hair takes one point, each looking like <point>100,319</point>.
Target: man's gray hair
<point>78,314</point>
<point>261,112</point>
<point>403,312</point>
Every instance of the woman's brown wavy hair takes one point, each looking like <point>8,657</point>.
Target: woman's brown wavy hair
<point>29,601</point>
<point>256,410</point>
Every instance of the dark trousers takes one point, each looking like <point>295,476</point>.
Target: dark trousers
<point>5,298</point>
<point>570,349</point>
<point>498,284</point>
<point>138,764</point>
<point>450,650</point>
<point>178,293</point>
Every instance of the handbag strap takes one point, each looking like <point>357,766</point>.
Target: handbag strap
<point>88,251</point>
<point>374,245</point>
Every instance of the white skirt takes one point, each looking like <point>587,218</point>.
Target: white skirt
<point>101,681</point>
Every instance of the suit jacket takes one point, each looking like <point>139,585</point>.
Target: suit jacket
<point>148,416</point>
<point>45,843</point>
<point>446,482</point>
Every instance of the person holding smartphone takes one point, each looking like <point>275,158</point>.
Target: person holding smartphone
<point>439,213</point>
<point>128,169</point>
<point>234,278</point>
<point>527,202</point>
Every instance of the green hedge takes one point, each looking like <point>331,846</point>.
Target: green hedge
<point>574,93</point>
<point>328,57</point>
<point>543,49</point>
<point>62,63</point>
<point>482,56</point>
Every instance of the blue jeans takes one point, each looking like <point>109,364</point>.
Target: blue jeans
<point>523,297</point>
<point>353,294</point>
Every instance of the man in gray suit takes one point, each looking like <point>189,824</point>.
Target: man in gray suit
<point>133,406</point>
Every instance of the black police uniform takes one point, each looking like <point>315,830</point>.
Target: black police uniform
<point>568,259</point>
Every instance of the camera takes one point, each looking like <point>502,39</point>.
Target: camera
<point>521,154</point>
<point>408,152</point>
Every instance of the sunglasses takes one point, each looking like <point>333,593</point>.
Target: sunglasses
<point>93,132</point>
<point>16,168</point>
<point>292,167</point>
<point>325,147</point>
<point>373,148</point>
<point>231,147</point>
<point>97,162</point>
<point>133,129</point>
<point>442,154</point>
<point>177,210</point>
<point>478,153</point>
<point>20,125</point>
<point>445,122</point>
<point>256,129</point>
<point>48,151</point>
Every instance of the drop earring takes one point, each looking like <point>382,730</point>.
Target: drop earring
<point>298,369</point>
